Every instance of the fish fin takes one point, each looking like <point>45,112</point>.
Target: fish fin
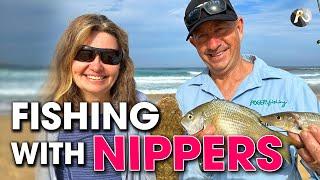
<point>250,110</point>
<point>294,130</point>
<point>286,142</point>
<point>243,108</point>
<point>254,112</point>
<point>299,124</point>
<point>284,150</point>
<point>289,140</point>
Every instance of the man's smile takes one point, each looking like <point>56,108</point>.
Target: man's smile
<point>217,54</point>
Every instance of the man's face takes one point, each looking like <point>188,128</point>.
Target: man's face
<point>218,44</point>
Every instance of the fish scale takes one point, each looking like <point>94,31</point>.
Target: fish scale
<point>232,119</point>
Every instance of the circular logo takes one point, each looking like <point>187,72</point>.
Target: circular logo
<point>301,17</point>
<point>318,42</point>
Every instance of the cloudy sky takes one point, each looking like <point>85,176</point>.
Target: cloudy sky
<point>31,28</point>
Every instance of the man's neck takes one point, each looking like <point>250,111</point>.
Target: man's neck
<point>229,82</point>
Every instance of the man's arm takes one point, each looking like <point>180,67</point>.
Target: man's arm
<point>311,151</point>
<point>306,101</point>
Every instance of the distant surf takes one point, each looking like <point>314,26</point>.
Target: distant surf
<point>24,85</point>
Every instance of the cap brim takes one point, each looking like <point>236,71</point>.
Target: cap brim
<point>221,17</point>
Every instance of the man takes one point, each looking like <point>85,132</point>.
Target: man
<point>216,32</point>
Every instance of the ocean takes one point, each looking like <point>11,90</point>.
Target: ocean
<point>24,84</point>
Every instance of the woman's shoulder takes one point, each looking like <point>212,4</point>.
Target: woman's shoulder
<point>141,96</point>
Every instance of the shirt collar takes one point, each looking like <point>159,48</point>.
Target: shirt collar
<point>261,71</point>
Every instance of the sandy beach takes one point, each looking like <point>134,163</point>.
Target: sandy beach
<point>8,170</point>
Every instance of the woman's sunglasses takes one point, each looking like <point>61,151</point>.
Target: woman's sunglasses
<point>211,7</point>
<point>107,56</point>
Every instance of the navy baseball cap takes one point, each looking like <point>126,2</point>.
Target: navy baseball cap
<point>200,11</point>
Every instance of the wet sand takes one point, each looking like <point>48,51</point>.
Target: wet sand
<point>8,169</point>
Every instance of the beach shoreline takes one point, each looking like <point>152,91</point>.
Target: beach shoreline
<point>8,170</point>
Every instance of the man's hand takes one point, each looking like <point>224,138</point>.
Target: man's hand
<point>311,151</point>
<point>209,130</point>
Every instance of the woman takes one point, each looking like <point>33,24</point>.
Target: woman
<point>91,64</point>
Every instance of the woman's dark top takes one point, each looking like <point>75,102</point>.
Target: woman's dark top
<point>75,171</point>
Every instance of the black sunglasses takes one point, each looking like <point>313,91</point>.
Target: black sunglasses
<point>211,7</point>
<point>107,56</point>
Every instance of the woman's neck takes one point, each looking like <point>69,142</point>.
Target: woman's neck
<point>90,97</point>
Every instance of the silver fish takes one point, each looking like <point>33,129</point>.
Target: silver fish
<point>292,121</point>
<point>232,119</point>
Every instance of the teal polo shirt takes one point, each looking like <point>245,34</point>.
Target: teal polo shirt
<point>267,90</point>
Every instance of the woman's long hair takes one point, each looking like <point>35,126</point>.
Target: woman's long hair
<point>60,86</point>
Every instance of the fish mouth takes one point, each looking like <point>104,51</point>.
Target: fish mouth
<point>266,124</point>
<point>271,126</point>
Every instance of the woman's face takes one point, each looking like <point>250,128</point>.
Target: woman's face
<point>95,78</point>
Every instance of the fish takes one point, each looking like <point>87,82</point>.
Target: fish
<point>293,122</point>
<point>229,118</point>
<point>169,125</point>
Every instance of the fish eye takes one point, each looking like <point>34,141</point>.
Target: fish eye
<point>190,116</point>
<point>278,117</point>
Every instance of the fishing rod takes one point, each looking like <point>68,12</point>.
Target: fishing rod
<point>318,1</point>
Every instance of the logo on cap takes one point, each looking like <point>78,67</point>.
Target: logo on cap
<point>301,17</point>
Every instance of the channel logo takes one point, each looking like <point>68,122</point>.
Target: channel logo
<point>301,17</point>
